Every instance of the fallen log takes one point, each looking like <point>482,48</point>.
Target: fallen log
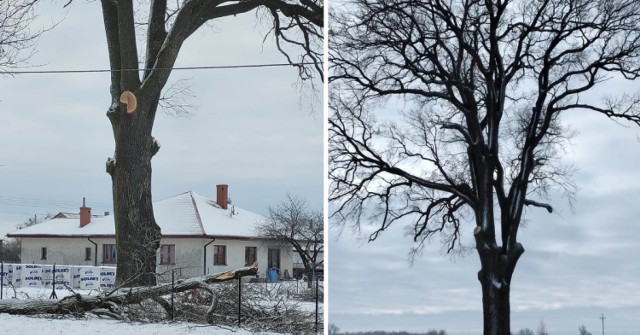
<point>110,302</point>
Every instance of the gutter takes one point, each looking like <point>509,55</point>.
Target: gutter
<point>95,254</point>
<point>204,264</point>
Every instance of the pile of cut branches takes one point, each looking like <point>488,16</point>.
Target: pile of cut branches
<point>211,299</point>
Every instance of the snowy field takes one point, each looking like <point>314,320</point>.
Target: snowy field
<point>54,325</point>
<point>13,324</point>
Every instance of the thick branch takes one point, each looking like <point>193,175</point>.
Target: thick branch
<point>79,304</point>
<point>110,16</point>
<point>130,80</point>
<point>156,33</point>
<point>534,203</point>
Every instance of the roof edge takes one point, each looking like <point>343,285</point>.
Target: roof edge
<point>195,207</point>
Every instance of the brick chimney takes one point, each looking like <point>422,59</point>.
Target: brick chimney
<point>85,215</point>
<point>222,192</point>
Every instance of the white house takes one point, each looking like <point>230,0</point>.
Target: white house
<point>199,236</point>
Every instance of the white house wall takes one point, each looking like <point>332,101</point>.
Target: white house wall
<point>286,259</point>
<point>62,250</point>
<point>189,261</point>
<point>236,253</point>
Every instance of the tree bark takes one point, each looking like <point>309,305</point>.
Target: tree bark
<point>137,233</point>
<point>310,277</point>
<point>497,266</point>
<point>495,303</point>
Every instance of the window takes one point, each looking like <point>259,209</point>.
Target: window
<point>219,255</point>
<point>250,255</point>
<point>168,254</point>
<point>274,258</point>
<point>109,253</point>
<point>43,253</point>
<point>87,254</point>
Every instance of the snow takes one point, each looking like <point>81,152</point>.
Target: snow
<point>495,282</point>
<point>91,324</point>
<point>14,324</point>
<point>185,214</point>
<point>178,216</point>
<point>232,221</point>
<point>70,227</point>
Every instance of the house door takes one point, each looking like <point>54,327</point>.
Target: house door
<point>274,258</point>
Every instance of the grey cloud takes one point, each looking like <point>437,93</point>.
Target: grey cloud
<point>577,264</point>
<point>251,129</point>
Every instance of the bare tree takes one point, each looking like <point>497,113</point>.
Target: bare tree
<point>10,249</point>
<point>471,133</point>
<point>525,331</point>
<point>542,328</point>
<point>583,330</point>
<point>333,329</point>
<point>35,220</point>
<point>136,91</point>
<point>293,224</point>
<point>18,36</point>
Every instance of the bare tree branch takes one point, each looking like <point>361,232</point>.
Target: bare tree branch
<point>293,224</point>
<point>444,108</point>
<point>534,203</point>
<point>18,33</point>
<point>177,99</point>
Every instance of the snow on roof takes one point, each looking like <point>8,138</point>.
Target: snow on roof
<point>69,227</point>
<point>232,221</point>
<point>186,214</point>
<point>177,216</point>
<point>67,215</point>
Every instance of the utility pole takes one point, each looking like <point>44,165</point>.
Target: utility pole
<point>602,318</point>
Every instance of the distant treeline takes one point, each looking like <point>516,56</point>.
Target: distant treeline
<point>378,332</point>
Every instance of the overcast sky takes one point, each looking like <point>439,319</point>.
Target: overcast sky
<point>253,129</point>
<point>576,265</point>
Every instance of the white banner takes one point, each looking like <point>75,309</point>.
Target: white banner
<point>107,277</point>
<point>17,275</point>
<point>31,275</point>
<point>62,276</point>
<point>79,277</point>
<point>47,276</point>
<point>89,278</point>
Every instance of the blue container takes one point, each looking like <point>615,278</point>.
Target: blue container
<point>273,275</point>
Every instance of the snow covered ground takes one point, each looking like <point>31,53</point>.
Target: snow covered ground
<point>13,324</point>
<point>54,325</point>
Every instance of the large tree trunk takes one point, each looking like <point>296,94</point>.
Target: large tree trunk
<point>137,234</point>
<point>497,266</point>
<point>310,276</point>
<point>495,303</point>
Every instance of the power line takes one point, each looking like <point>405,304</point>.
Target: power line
<point>209,67</point>
<point>43,203</point>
